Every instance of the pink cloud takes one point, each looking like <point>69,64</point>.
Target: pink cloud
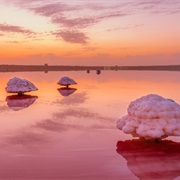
<point>43,7</point>
<point>158,6</point>
<point>24,3</point>
<point>125,27</point>
<point>74,22</point>
<point>72,36</point>
<point>59,14</point>
<point>84,22</point>
<point>114,14</point>
<point>52,9</point>
<point>76,17</point>
<point>14,29</point>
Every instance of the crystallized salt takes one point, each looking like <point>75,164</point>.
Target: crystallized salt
<point>151,117</point>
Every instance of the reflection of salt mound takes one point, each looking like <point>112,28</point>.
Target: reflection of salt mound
<point>151,160</point>
<point>66,91</point>
<point>151,117</point>
<point>17,103</point>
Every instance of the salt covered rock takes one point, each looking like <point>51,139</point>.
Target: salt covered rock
<point>66,81</point>
<point>151,117</point>
<point>20,86</point>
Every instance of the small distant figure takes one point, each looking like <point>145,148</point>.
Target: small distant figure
<point>98,72</point>
<point>88,71</point>
<point>66,81</point>
<point>20,86</point>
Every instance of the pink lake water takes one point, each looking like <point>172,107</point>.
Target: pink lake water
<point>57,134</point>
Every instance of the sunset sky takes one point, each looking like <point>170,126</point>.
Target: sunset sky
<point>80,32</point>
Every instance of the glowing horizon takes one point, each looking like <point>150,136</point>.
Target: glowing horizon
<point>64,32</point>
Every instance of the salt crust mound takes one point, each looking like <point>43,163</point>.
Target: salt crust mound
<point>65,81</point>
<point>18,85</point>
<point>151,117</point>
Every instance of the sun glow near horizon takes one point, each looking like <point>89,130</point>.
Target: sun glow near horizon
<point>86,30</point>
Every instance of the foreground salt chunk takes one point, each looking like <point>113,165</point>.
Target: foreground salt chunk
<point>66,81</point>
<point>20,86</point>
<point>151,117</point>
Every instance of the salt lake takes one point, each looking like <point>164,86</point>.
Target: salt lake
<point>71,134</point>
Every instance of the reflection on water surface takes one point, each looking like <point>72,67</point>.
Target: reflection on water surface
<point>150,159</point>
<point>74,136</point>
<point>66,91</point>
<point>16,102</point>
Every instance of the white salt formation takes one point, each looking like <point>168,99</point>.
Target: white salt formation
<point>66,81</point>
<point>151,117</point>
<point>20,86</point>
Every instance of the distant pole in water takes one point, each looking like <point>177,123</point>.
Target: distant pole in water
<point>46,68</point>
<point>88,71</point>
<point>98,72</point>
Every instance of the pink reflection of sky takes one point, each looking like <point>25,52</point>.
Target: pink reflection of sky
<point>74,136</point>
<point>63,156</point>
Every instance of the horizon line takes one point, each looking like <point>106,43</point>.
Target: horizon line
<point>46,68</point>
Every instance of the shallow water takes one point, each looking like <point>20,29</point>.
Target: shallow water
<point>59,134</point>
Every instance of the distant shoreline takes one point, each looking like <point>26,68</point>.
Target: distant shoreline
<point>47,68</point>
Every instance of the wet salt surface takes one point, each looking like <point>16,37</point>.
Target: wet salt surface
<point>75,136</point>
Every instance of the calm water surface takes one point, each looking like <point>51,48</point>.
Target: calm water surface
<point>53,133</point>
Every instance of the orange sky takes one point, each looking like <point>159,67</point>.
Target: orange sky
<point>88,33</point>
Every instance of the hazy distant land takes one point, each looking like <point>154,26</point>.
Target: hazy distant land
<point>46,68</point>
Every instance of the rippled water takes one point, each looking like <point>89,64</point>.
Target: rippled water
<point>57,133</point>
